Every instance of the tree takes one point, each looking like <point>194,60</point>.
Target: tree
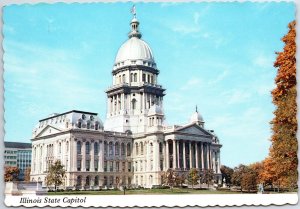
<point>55,174</point>
<point>208,176</point>
<point>11,173</point>
<point>284,146</point>
<point>193,177</point>
<point>249,178</point>
<point>237,175</point>
<point>180,179</point>
<point>227,174</point>
<point>169,178</point>
<point>27,174</point>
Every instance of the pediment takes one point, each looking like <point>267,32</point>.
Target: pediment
<point>193,129</point>
<point>48,130</point>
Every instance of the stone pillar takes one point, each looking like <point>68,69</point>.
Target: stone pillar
<point>191,156</point>
<point>183,155</point>
<point>74,157</point>
<point>178,154</point>
<point>155,156</point>
<point>92,152</point>
<point>196,154</point>
<point>174,154</point>
<point>83,156</point>
<point>101,156</point>
<point>164,155</point>
<point>167,156</point>
<point>202,156</point>
<point>207,154</point>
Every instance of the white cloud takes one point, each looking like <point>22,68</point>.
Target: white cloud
<point>263,61</point>
<point>236,96</point>
<point>185,29</point>
<point>191,83</point>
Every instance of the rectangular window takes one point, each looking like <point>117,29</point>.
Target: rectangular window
<point>144,77</point>
<point>123,166</point>
<point>105,166</point>
<point>111,166</point>
<point>96,165</point>
<point>87,165</point>
<point>117,166</point>
<point>78,165</point>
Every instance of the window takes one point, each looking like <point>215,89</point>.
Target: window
<point>96,148</point>
<point>87,165</point>
<point>96,182</point>
<point>122,149</point>
<point>136,149</point>
<point>111,150</point>
<point>78,148</point>
<point>160,148</point>
<point>117,166</point>
<point>59,148</point>
<point>131,77</point>
<point>105,181</point>
<point>96,126</point>
<point>87,148</point>
<point>79,124</point>
<point>161,165</point>
<point>142,148</point>
<point>117,148</point>
<point>123,166</point>
<point>67,147</point>
<point>151,148</point>
<point>133,104</point>
<point>136,166</point>
<point>78,165</point>
<point>105,166</point>
<point>135,77</point>
<point>129,166</point>
<point>105,148</point>
<point>111,166</point>
<point>96,164</point>
<point>124,78</point>
<point>88,124</point>
<point>148,79</point>
<point>144,77</point>
<point>128,149</point>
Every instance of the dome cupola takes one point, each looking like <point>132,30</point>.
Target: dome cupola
<point>134,51</point>
<point>197,118</point>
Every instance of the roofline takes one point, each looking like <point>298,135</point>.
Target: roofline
<point>76,111</point>
<point>17,145</point>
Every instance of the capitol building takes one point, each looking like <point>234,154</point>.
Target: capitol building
<point>134,146</point>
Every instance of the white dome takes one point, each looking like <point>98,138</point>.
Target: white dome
<point>196,117</point>
<point>134,49</point>
<point>155,110</point>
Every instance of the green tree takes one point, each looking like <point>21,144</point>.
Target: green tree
<point>56,174</point>
<point>208,176</point>
<point>227,174</point>
<point>11,173</point>
<point>284,125</point>
<point>193,177</point>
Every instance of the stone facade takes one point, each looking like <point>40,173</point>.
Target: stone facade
<point>134,146</point>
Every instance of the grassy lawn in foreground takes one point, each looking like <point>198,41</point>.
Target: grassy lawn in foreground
<point>144,192</point>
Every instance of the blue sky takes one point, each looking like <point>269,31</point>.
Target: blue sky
<point>219,56</point>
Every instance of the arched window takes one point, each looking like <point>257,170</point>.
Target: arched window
<point>122,149</point>
<point>79,123</point>
<point>133,104</point>
<point>87,148</point>
<point>67,147</point>
<point>78,147</point>
<point>136,149</point>
<point>135,77</point>
<point>128,149</point>
<point>96,125</point>
<point>88,124</point>
<point>131,77</point>
<point>111,150</point>
<point>117,148</point>
<point>124,78</point>
<point>59,148</point>
<point>151,148</point>
<point>96,148</point>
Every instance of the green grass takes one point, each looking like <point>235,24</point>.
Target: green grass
<point>144,192</point>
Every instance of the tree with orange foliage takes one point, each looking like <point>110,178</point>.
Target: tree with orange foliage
<point>11,173</point>
<point>284,125</point>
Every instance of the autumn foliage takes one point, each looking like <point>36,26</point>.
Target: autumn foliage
<point>11,173</point>
<point>283,152</point>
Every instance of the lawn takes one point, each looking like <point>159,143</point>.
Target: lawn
<point>144,192</point>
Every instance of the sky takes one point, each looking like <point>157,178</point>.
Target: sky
<point>218,56</point>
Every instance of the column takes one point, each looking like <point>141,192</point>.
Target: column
<point>202,155</point>
<point>196,154</point>
<point>191,159</point>
<point>74,157</point>
<point>183,155</point>
<point>178,154</point>
<point>207,154</point>
<point>167,156</point>
<point>92,152</point>
<point>174,154</point>
<point>83,156</point>
<point>101,156</point>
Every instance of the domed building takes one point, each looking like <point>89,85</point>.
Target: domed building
<point>134,146</point>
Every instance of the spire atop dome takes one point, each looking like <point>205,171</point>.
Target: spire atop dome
<point>134,25</point>
<point>196,108</point>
